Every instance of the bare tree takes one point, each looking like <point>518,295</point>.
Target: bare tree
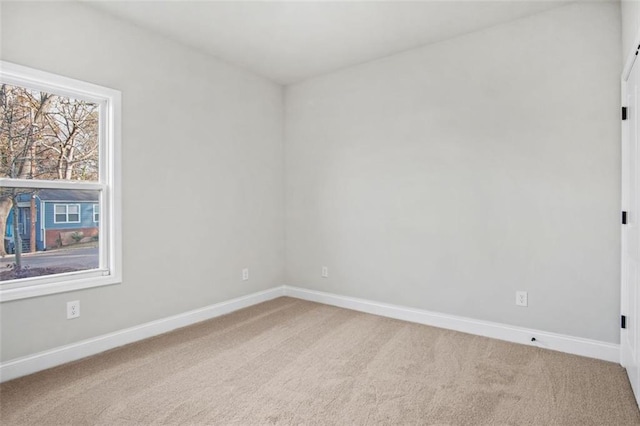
<point>20,113</point>
<point>73,139</point>
<point>42,136</point>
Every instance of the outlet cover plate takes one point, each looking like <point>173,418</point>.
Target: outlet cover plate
<point>73,309</point>
<point>325,272</point>
<point>522,298</point>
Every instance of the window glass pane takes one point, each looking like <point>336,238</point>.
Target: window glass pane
<point>47,136</point>
<point>43,241</point>
<point>57,129</point>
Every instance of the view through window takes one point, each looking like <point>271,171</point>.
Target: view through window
<point>56,181</point>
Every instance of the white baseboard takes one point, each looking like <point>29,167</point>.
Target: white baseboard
<point>41,361</point>
<point>51,358</point>
<point>558,342</point>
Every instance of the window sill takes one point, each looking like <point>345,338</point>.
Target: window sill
<point>36,289</point>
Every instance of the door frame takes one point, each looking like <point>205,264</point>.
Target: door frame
<point>630,62</point>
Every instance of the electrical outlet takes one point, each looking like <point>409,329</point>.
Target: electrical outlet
<point>521,298</point>
<point>245,274</point>
<point>73,309</point>
<point>325,272</point>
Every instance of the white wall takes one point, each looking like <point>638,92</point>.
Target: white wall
<point>448,177</point>
<point>202,173</point>
<point>444,178</point>
<point>630,25</point>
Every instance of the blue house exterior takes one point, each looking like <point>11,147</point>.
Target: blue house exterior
<point>63,216</point>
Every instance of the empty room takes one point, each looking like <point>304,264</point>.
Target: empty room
<point>319,212</point>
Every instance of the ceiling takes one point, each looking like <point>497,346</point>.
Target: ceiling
<point>288,42</point>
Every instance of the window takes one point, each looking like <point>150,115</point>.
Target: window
<point>59,173</point>
<point>67,213</point>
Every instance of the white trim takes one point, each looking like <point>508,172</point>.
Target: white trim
<point>68,202</point>
<point>624,135</point>
<point>574,345</point>
<point>109,183</point>
<point>66,209</point>
<point>51,184</point>
<point>19,75</point>
<point>41,361</point>
<point>94,213</point>
<point>557,342</point>
<point>53,284</point>
<point>627,306</point>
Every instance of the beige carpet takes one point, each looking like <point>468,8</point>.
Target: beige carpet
<point>293,362</point>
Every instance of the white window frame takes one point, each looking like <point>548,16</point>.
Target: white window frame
<point>96,207</point>
<point>109,184</point>
<point>66,206</point>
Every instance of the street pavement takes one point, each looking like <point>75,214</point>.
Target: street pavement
<point>82,259</point>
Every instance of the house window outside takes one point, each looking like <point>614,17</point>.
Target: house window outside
<point>59,173</point>
<point>67,213</point>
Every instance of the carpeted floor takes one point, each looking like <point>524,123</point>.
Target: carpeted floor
<point>289,361</point>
